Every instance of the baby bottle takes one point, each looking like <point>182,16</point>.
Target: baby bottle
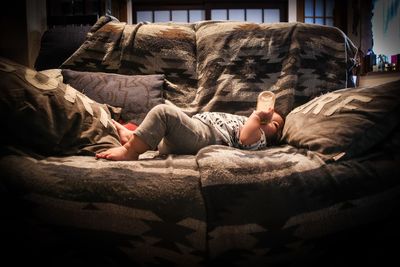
<point>265,100</point>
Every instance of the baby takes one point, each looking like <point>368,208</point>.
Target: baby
<point>172,131</point>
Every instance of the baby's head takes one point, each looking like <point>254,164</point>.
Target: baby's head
<point>273,129</point>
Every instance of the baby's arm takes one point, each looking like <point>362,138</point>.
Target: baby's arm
<point>251,132</point>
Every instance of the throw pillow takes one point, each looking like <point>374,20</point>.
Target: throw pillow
<point>135,94</point>
<point>142,48</point>
<point>40,113</point>
<point>345,123</point>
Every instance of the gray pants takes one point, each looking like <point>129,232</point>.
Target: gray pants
<point>174,132</point>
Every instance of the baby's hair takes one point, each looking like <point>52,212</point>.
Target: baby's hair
<point>276,139</point>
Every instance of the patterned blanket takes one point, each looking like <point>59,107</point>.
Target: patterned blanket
<point>285,206</point>
<point>88,211</point>
<point>223,66</point>
<point>282,206</point>
<point>222,206</point>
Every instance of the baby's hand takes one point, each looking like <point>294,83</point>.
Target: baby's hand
<point>265,116</point>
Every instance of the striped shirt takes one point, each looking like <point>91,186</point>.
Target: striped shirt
<point>227,127</point>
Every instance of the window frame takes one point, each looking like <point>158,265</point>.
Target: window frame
<point>302,17</point>
<point>207,6</point>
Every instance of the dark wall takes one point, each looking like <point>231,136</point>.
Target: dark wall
<point>13,27</point>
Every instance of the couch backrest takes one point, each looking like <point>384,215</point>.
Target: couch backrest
<point>222,65</point>
<point>297,61</point>
<point>169,49</point>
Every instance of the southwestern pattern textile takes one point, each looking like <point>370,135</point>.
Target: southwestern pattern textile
<point>223,66</point>
<point>299,203</point>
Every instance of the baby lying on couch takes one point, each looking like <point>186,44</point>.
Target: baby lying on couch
<point>181,134</point>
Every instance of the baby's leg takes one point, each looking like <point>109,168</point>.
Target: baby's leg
<point>129,151</point>
<point>123,133</point>
<point>181,133</point>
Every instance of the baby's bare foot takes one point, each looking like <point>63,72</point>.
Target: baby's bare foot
<point>123,133</point>
<point>118,153</point>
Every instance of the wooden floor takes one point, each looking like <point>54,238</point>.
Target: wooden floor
<point>376,78</point>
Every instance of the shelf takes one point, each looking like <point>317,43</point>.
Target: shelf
<point>376,78</point>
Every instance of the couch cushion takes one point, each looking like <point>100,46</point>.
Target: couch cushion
<point>49,117</point>
<point>297,61</point>
<point>126,213</point>
<point>346,123</point>
<point>135,94</point>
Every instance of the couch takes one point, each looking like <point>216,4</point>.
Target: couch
<point>328,194</point>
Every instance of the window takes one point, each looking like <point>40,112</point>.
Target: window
<point>178,15</point>
<point>254,11</point>
<point>253,15</point>
<point>385,29</point>
<point>319,12</point>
